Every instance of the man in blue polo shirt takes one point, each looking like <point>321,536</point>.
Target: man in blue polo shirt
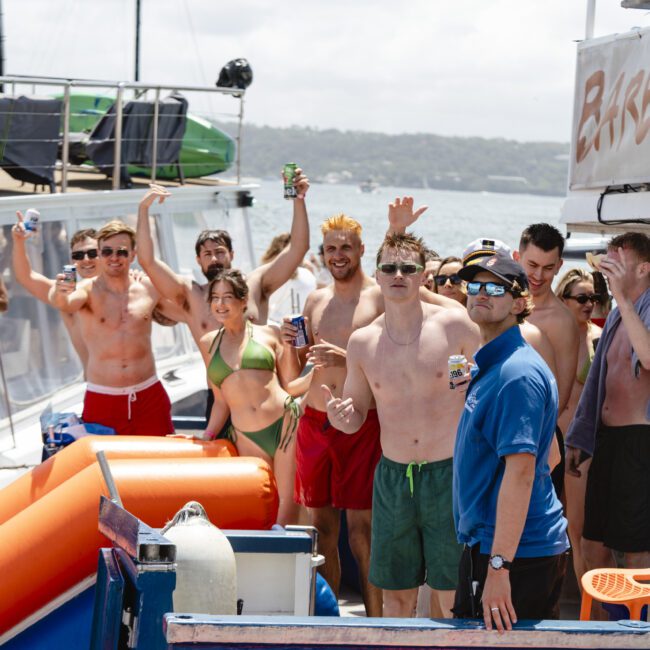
<point>505,507</point>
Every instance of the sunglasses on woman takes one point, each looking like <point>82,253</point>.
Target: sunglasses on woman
<point>406,268</point>
<point>107,251</point>
<point>77,256</point>
<point>584,298</point>
<point>491,288</point>
<point>441,280</point>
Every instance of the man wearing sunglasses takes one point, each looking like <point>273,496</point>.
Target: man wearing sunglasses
<point>115,313</point>
<point>83,246</point>
<point>612,421</point>
<point>399,362</point>
<point>506,511</point>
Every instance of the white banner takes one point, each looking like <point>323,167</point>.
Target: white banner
<point>611,113</point>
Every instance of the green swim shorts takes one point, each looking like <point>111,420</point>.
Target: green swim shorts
<point>413,533</point>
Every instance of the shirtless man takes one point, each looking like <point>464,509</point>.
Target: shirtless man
<point>399,362</point>
<point>335,471</point>
<point>115,315</point>
<point>612,421</point>
<point>540,254</point>
<point>214,252</point>
<point>83,247</point>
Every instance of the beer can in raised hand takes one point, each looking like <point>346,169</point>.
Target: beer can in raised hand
<point>301,340</point>
<point>31,220</point>
<point>70,273</point>
<point>458,367</point>
<point>289,175</point>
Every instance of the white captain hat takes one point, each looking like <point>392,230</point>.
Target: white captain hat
<point>484,247</point>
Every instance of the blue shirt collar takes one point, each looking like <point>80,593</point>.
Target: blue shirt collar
<point>499,348</point>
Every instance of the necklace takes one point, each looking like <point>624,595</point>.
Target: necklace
<point>417,336</point>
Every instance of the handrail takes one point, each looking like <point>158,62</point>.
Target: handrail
<point>120,87</point>
<point>97,83</point>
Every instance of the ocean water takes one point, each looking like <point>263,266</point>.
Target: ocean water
<point>453,219</point>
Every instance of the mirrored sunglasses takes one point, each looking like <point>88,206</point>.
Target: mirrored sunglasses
<point>77,256</point>
<point>584,298</point>
<point>491,288</point>
<point>406,268</point>
<point>107,251</point>
<point>442,279</point>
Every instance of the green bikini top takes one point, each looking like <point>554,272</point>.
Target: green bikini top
<point>255,357</point>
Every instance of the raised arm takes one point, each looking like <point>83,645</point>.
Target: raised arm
<point>38,285</point>
<point>349,412</point>
<point>67,297</point>
<point>280,270</point>
<point>401,214</point>
<point>170,285</point>
<point>637,331</point>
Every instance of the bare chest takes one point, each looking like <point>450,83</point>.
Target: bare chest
<point>129,311</point>
<point>334,321</point>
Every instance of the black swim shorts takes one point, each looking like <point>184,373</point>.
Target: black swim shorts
<point>617,503</point>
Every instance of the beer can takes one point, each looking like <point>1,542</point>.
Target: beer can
<point>458,367</point>
<point>70,273</point>
<point>301,340</point>
<point>289,174</point>
<point>31,220</point>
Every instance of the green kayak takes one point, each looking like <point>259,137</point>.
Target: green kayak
<point>205,149</point>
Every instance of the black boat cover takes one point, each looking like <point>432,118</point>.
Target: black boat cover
<point>29,135</point>
<point>137,135</point>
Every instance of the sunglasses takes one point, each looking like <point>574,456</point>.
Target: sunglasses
<point>442,279</point>
<point>583,298</point>
<point>77,256</point>
<point>107,251</point>
<point>491,288</point>
<point>407,268</point>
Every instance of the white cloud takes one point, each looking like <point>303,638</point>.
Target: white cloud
<point>454,67</point>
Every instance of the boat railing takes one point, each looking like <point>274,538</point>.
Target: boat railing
<point>120,89</point>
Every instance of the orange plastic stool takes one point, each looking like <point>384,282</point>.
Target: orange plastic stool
<point>618,586</point>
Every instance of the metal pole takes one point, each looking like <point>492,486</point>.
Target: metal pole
<point>154,152</point>
<point>65,154</point>
<point>2,48</point>
<point>137,40</point>
<point>239,130</point>
<point>117,151</point>
<point>7,401</point>
<point>591,19</point>
<point>108,478</point>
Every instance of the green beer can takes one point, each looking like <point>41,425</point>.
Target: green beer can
<point>289,174</point>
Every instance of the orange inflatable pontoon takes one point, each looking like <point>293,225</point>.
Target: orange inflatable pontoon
<point>53,544</point>
<point>69,461</point>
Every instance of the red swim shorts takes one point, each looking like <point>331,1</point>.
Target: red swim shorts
<point>145,412</point>
<point>334,468</point>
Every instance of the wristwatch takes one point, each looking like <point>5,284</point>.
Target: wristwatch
<point>499,562</point>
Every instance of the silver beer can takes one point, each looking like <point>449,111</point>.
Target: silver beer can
<point>301,340</point>
<point>458,367</point>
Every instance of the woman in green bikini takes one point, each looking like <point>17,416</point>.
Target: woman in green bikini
<point>245,369</point>
<point>576,290</point>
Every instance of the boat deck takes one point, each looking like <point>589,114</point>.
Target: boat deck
<point>94,181</point>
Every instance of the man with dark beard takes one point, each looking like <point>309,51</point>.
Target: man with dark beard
<point>214,252</point>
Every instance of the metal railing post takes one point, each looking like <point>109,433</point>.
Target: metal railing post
<point>154,151</point>
<point>239,130</point>
<point>117,151</point>
<point>65,153</point>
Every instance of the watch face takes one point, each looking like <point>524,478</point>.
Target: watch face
<point>496,562</point>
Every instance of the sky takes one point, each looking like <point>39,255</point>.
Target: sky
<point>488,68</point>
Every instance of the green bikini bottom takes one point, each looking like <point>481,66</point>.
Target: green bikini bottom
<point>277,435</point>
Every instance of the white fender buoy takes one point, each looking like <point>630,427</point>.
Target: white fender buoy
<point>206,574</point>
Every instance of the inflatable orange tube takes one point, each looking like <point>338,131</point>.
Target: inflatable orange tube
<point>53,544</point>
<point>59,468</point>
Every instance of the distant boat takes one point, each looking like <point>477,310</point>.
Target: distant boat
<point>369,186</point>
